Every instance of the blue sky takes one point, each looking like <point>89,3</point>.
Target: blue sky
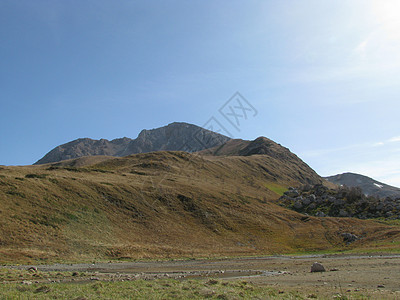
<point>322,75</point>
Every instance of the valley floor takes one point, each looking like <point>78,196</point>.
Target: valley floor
<point>281,277</point>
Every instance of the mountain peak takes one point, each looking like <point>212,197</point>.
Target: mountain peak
<point>176,136</point>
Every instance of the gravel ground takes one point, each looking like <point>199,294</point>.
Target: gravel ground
<point>377,275</point>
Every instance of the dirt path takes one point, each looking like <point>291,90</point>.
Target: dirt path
<point>378,274</point>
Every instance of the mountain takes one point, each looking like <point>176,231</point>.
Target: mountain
<point>261,145</point>
<point>168,204</point>
<point>268,148</point>
<point>85,147</point>
<point>369,186</point>
<point>175,136</point>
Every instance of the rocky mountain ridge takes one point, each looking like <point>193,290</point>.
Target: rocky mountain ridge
<point>176,136</point>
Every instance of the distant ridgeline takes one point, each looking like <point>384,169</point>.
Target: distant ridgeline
<point>321,201</point>
<point>369,186</point>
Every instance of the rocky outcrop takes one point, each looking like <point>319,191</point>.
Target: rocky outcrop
<point>321,201</point>
<point>349,238</point>
<point>175,136</point>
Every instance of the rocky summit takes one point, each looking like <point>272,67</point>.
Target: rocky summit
<point>176,136</point>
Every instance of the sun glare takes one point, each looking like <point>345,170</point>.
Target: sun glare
<point>387,13</point>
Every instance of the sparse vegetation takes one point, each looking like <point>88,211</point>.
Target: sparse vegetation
<point>199,206</point>
<point>140,289</point>
<point>33,284</point>
<point>276,188</point>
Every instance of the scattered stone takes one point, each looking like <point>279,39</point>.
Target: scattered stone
<point>43,289</point>
<point>75,274</point>
<point>317,267</point>
<point>27,282</point>
<point>381,286</point>
<point>334,270</point>
<point>32,269</point>
<point>212,282</point>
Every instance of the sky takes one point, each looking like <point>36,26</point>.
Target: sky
<point>319,77</point>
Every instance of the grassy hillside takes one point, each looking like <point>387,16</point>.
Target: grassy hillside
<point>162,205</point>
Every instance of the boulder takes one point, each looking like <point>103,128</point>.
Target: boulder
<point>349,237</point>
<point>306,201</point>
<point>312,197</point>
<point>332,199</point>
<point>317,267</point>
<point>293,193</point>
<point>298,205</point>
<point>338,202</point>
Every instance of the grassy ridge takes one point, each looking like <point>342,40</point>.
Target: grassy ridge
<point>163,205</point>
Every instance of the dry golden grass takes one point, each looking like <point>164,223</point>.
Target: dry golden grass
<point>163,205</point>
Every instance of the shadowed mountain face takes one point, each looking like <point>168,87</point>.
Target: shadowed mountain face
<point>85,147</point>
<point>174,137</point>
<point>368,185</point>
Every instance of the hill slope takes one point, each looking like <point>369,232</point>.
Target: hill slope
<point>369,186</point>
<point>165,204</point>
<point>175,136</point>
